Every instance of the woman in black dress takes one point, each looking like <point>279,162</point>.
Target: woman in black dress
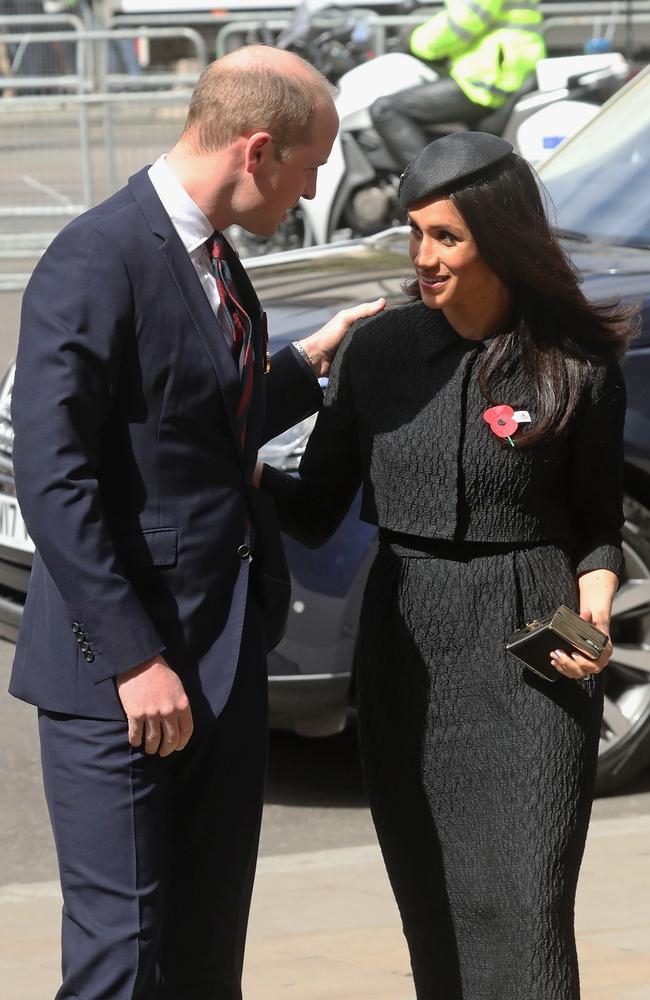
<point>479,773</point>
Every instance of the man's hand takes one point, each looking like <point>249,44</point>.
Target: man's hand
<point>156,706</point>
<point>321,347</point>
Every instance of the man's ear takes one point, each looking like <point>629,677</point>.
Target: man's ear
<point>259,147</point>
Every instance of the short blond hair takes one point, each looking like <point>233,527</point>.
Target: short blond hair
<point>231,100</point>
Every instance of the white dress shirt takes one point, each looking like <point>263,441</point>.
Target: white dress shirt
<point>192,226</point>
<point>194,229</point>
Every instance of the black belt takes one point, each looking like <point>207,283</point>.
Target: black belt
<point>417,546</point>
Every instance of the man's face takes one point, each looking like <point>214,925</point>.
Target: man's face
<point>280,184</point>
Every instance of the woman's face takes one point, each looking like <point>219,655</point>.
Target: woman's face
<point>450,270</point>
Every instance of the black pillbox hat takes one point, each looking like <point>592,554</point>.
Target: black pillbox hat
<point>448,162</point>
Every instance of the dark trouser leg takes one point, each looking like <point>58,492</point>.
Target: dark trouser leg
<point>400,118</point>
<point>156,855</point>
<point>106,804</point>
<point>216,809</point>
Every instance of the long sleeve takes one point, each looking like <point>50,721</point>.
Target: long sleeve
<point>77,313</point>
<point>597,474</point>
<point>454,29</point>
<point>292,393</point>
<point>311,506</point>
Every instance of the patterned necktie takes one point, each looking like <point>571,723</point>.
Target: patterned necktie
<point>239,327</point>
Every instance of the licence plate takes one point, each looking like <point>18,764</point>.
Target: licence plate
<point>13,533</point>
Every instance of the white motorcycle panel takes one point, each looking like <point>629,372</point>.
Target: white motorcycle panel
<point>540,134</point>
<point>357,90</point>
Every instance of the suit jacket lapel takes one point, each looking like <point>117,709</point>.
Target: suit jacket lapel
<point>182,273</point>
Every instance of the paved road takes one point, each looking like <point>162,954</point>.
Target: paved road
<point>9,323</point>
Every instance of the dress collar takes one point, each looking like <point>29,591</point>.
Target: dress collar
<point>435,334</point>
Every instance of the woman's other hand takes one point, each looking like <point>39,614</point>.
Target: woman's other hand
<point>597,588</point>
<point>577,666</point>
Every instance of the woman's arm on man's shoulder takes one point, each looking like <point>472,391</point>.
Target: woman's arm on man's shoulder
<point>311,505</point>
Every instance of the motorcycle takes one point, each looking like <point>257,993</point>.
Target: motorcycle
<point>357,187</point>
<point>331,39</point>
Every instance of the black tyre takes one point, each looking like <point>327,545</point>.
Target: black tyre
<point>625,737</point>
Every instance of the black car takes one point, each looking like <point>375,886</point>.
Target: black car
<point>599,188</point>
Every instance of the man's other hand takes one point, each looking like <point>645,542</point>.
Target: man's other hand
<point>156,706</point>
<point>321,347</point>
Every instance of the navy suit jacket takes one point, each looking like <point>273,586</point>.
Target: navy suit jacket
<point>129,471</point>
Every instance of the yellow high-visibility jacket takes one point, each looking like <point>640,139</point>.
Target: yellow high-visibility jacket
<point>492,45</point>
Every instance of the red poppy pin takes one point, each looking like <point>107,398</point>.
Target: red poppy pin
<point>504,421</point>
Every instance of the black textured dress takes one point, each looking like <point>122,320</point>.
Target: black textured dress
<point>480,775</point>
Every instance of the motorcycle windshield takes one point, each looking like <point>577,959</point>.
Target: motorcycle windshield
<point>300,23</point>
<point>598,179</point>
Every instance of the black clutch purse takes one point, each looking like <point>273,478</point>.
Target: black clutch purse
<point>563,629</point>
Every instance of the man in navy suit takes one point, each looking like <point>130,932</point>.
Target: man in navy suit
<point>159,580</point>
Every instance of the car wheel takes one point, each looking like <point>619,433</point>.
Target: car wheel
<point>625,736</point>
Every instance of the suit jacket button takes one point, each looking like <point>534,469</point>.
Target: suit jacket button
<point>88,657</point>
<point>76,626</point>
<point>243,551</point>
<point>84,647</point>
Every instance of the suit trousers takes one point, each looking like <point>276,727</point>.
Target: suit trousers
<point>401,118</point>
<point>157,855</point>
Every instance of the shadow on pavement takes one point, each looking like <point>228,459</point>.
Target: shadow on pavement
<point>315,772</point>
<point>638,786</point>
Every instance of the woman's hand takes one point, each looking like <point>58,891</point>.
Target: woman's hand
<point>577,666</point>
<point>597,588</point>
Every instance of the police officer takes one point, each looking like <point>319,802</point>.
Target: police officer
<point>491,48</point>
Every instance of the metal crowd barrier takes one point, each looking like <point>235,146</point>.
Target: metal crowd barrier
<point>62,153</point>
<point>70,137</point>
<point>88,57</point>
<point>17,32</point>
<point>239,27</point>
<point>569,17</point>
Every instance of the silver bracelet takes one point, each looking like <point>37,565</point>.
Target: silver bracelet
<point>302,352</point>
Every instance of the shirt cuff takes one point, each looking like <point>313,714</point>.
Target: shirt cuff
<point>304,365</point>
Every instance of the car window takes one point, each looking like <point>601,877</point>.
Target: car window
<point>598,181</point>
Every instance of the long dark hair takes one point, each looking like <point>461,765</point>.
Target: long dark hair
<point>556,333</point>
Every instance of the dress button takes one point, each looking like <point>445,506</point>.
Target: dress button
<point>76,626</point>
<point>89,657</point>
<point>243,551</point>
<point>84,647</point>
